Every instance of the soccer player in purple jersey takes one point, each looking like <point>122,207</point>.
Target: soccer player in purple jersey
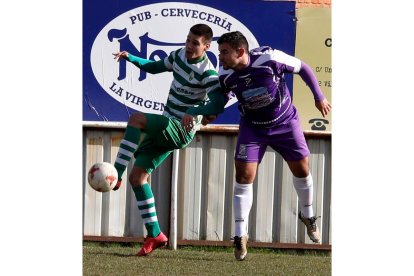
<point>268,118</point>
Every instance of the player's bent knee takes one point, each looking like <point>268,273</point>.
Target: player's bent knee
<point>138,177</point>
<point>137,120</point>
<point>300,171</point>
<point>299,168</point>
<point>245,172</point>
<point>245,178</point>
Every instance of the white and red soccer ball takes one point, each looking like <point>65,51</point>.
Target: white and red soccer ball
<point>102,177</point>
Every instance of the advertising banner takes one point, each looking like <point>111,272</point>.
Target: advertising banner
<point>313,46</point>
<point>152,29</point>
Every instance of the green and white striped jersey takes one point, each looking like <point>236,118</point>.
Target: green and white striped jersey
<point>192,82</point>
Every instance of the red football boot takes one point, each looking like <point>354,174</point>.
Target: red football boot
<point>151,244</point>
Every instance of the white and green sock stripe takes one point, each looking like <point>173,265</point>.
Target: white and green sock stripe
<point>127,149</point>
<point>146,206</point>
<point>147,210</point>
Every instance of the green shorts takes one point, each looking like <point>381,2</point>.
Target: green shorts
<point>162,135</point>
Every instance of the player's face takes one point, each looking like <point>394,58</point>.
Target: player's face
<point>228,56</point>
<point>195,46</point>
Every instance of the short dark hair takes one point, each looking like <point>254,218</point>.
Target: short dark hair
<point>202,30</point>
<point>235,39</point>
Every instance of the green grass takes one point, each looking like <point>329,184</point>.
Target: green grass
<point>120,259</point>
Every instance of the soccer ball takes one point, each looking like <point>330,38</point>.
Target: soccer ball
<point>102,177</point>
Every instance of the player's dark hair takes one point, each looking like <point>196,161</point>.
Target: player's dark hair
<point>202,30</point>
<point>235,39</point>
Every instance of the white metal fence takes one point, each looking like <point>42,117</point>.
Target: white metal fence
<point>204,192</point>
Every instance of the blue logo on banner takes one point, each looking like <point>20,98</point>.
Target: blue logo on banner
<point>125,44</point>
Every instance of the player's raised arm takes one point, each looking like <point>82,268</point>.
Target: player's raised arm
<point>149,66</point>
<point>214,107</point>
<point>209,111</point>
<point>309,77</point>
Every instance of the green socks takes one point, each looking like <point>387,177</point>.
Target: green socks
<point>146,206</point>
<point>127,149</point>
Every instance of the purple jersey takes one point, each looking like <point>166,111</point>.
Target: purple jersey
<point>260,88</point>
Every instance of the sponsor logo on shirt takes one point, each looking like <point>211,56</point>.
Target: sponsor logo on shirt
<point>191,76</point>
<point>256,98</point>
<point>248,82</point>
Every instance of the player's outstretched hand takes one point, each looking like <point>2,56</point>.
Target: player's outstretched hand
<point>119,55</point>
<point>324,107</point>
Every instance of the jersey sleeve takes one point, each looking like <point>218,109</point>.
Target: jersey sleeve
<point>214,107</point>
<point>285,62</point>
<point>309,77</point>
<point>150,66</point>
<point>168,61</point>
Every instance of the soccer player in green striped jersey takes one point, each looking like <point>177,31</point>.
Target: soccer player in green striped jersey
<point>195,82</point>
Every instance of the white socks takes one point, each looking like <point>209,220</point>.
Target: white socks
<point>243,200</point>
<point>242,203</point>
<point>304,189</point>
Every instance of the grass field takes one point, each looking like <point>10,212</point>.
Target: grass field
<point>120,259</point>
